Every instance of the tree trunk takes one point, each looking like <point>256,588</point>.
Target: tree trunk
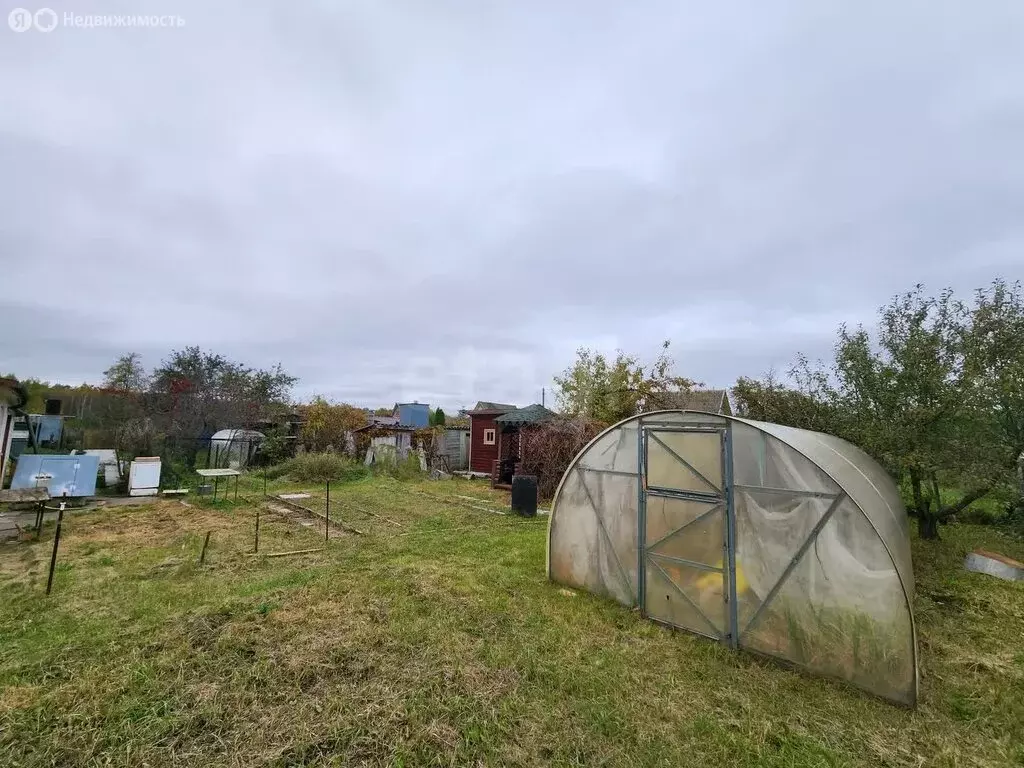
<point>936,493</point>
<point>928,527</point>
<point>920,505</point>
<point>928,521</point>
<point>964,503</point>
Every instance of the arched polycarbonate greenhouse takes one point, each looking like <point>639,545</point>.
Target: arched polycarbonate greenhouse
<point>781,541</point>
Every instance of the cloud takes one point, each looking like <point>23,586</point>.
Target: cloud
<point>399,201</point>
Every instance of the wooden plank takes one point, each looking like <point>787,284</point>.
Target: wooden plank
<point>285,554</point>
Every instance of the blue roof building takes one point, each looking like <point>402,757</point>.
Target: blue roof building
<point>413,414</point>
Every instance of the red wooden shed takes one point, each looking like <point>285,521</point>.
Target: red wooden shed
<point>483,435</point>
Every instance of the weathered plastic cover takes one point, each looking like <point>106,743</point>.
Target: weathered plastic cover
<point>843,608</point>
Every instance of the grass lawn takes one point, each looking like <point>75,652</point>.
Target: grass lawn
<point>435,639</point>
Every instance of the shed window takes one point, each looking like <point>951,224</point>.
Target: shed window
<point>488,437</point>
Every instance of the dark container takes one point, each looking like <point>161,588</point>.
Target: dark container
<point>524,495</point>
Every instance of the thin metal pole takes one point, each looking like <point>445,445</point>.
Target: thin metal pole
<point>264,482</point>
<point>256,549</point>
<point>206,542</point>
<point>730,529</point>
<point>56,543</point>
<point>641,522</point>
<point>327,519</point>
<point>236,487</point>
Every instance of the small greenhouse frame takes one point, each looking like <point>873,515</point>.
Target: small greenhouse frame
<point>784,542</point>
<point>234,448</point>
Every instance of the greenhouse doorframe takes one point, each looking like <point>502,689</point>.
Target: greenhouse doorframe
<point>693,494</point>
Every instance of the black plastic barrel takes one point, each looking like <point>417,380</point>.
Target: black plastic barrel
<point>524,495</point>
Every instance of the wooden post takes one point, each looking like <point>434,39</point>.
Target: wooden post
<point>206,542</point>
<point>327,519</point>
<point>56,543</point>
<point>257,547</point>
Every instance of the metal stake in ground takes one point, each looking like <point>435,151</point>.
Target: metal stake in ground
<point>56,543</point>
<point>202,553</point>
<point>327,518</point>
<point>257,547</point>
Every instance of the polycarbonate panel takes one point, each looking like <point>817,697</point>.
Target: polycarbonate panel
<point>702,588</point>
<point>893,527</point>
<point>683,418</point>
<point>583,555</point>
<point>616,499</point>
<point>614,450</point>
<point>574,527</point>
<point>841,612</point>
<point>692,530</point>
<point>701,450</point>
<point>749,455</point>
<point>762,460</point>
<point>770,528</point>
<point>843,467</point>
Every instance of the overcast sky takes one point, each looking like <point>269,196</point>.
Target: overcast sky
<point>441,200</point>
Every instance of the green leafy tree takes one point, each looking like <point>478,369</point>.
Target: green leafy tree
<point>909,399</point>
<point>437,417</point>
<point>995,361</point>
<point>325,423</point>
<point>770,400</point>
<point>127,374</point>
<point>935,394</point>
<point>197,389</point>
<point>611,390</point>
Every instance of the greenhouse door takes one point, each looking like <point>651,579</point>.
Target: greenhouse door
<point>686,530</point>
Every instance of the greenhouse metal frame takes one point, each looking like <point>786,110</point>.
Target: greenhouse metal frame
<point>780,541</point>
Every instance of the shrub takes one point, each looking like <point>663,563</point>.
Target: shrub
<point>273,449</point>
<point>400,469</point>
<point>319,468</point>
<point>550,447</point>
<point>277,471</point>
<point>407,469</point>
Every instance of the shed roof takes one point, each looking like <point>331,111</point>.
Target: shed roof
<point>531,414</point>
<point>387,427</point>
<point>485,406</point>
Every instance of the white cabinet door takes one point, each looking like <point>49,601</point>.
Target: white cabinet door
<point>144,477</point>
